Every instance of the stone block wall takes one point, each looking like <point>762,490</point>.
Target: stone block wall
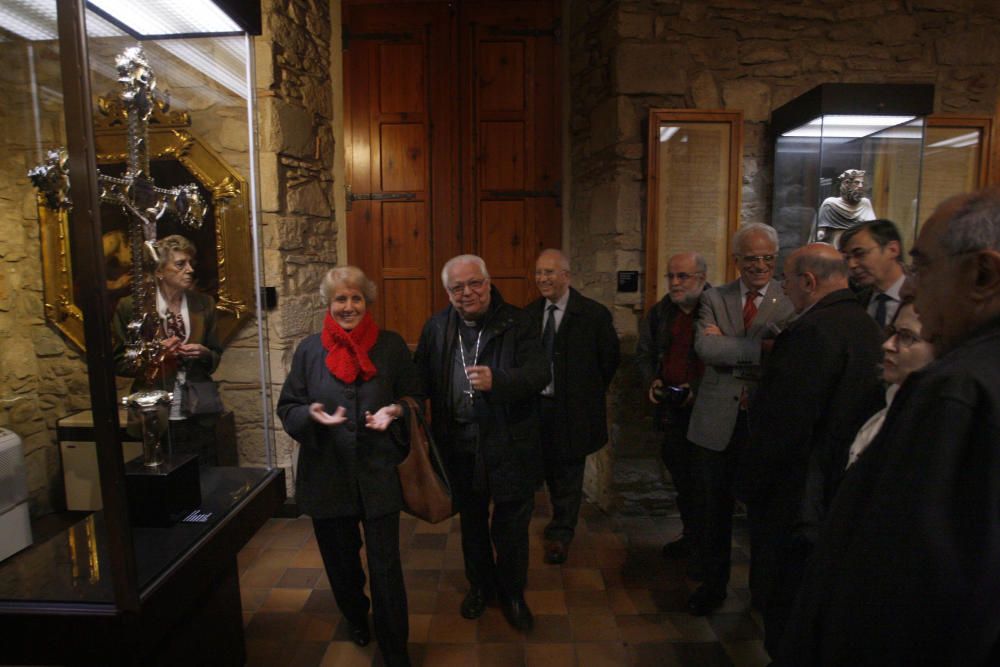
<point>295,111</point>
<point>626,56</point>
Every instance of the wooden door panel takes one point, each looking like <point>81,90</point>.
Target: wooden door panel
<point>403,157</point>
<point>407,305</point>
<point>404,234</point>
<point>403,87</point>
<point>503,236</point>
<point>501,158</point>
<point>501,76</point>
<point>514,290</point>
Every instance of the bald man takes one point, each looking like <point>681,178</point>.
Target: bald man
<point>580,340</point>
<point>819,385</point>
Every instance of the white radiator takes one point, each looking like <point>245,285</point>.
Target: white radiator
<point>15,522</point>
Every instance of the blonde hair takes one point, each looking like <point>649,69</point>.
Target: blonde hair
<point>347,276</point>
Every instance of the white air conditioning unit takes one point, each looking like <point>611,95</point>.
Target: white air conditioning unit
<point>15,522</point>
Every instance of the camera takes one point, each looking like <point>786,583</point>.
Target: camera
<point>672,395</point>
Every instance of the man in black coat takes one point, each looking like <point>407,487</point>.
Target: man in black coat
<point>582,347</point>
<point>670,372</point>
<point>483,367</point>
<point>819,384</point>
<point>906,569</point>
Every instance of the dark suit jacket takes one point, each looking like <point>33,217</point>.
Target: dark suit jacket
<point>346,470</point>
<point>907,569</point>
<point>507,415</point>
<point>586,357</point>
<point>819,385</point>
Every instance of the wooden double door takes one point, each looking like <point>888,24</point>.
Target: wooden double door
<point>452,132</point>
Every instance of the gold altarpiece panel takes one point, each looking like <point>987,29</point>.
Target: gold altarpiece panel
<point>224,243</point>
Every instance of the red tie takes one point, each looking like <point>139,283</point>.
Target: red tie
<point>750,308</point>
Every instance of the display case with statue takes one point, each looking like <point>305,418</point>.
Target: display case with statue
<point>846,153</point>
<point>133,355</point>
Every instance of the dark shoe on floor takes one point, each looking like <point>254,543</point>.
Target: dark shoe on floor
<point>556,552</point>
<point>475,602</point>
<point>705,600</point>
<point>359,632</point>
<point>516,611</point>
<point>679,548</point>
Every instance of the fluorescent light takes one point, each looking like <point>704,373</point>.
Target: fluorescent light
<point>35,20</point>
<point>848,127</point>
<point>168,17</point>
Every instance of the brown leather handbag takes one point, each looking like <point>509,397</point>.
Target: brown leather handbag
<point>426,490</point>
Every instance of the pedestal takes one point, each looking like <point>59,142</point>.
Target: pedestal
<point>162,495</point>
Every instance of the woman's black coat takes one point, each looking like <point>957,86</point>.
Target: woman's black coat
<point>347,469</point>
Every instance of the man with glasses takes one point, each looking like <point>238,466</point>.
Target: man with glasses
<point>819,384</point>
<point>671,371</point>
<point>580,342</point>
<point>874,253</point>
<point>733,322</point>
<point>906,571</point>
<point>483,368</point>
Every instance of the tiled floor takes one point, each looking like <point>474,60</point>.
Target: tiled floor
<point>615,601</point>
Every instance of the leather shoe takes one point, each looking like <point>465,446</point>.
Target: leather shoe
<point>679,548</point>
<point>475,602</point>
<point>705,600</point>
<point>359,632</point>
<point>516,611</point>
<point>556,552</point>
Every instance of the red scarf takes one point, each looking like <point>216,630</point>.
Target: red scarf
<point>347,351</point>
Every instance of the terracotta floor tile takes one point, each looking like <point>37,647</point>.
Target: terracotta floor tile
<point>637,629</point>
<point>420,625</point>
<point>501,655</point>
<point>273,557</point>
<point>493,627</point>
<point>582,579</point>
<point>300,577</point>
<point>598,626</point>
<point>305,654</point>
<point>422,580</point>
<point>546,602</point>
<point>286,599</point>
<point>620,602</point>
<point>252,598</point>
<point>261,577</point>
<point>322,602</point>
<point>586,601</point>
<point>291,538</point>
<point>276,626</point>
<point>734,627</point>
<point>453,581</point>
<point>450,655</point>
<point>550,628</point>
<point>434,541</point>
<point>747,653</point>
<point>443,527</point>
<point>347,654</point>
<point>423,559</point>
<point>547,578</point>
<point>246,557</point>
<point>448,602</point>
<point>451,629</point>
<point>549,655</point>
<point>693,628</point>
<point>601,654</point>
<point>422,602</point>
<point>307,557</point>
<point>320,627</point>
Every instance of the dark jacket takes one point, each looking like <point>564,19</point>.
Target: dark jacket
<point>654,342</point>
<point>819,385</point>
<point>346,470</point>
<point>586,357</point>
<point>907,569</point>
<point>508,414</point>
<point>202,330</point>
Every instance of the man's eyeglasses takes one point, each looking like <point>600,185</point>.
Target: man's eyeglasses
<point>459,288</point>
<point>754,259</point>
<point>858,253</point>
<point>684,277</point>
<point>904,337</point>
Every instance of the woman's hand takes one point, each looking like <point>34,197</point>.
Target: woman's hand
<point>172,346</point>
<point>380,420</point>
<point>192,351</point>
<point>319,414</point>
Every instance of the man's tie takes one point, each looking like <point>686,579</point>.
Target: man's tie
<point>880,305</point>
<point>549,332</point>
<point>750,308</point>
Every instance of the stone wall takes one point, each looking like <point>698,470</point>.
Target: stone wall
<point>626,56</point>
<point>42,378</point>
<point>295,108</point>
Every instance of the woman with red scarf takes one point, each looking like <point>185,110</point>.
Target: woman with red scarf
<point>340,397</point>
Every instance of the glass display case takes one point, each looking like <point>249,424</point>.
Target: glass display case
<point>130,180</point>
<point>846,153</point>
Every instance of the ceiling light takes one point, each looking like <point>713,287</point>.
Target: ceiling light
<point>161,18</point>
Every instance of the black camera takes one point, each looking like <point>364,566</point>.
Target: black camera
<point>671,395</point>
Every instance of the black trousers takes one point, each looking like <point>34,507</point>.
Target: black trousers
<point>506,531</point>
<point>715,474</point>
<point>339,541</point>
<point>677,453</point>
<point>563,477</point>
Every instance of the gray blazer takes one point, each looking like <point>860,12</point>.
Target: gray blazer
<point>732,361</point>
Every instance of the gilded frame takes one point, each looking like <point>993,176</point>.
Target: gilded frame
<point>169,138</point>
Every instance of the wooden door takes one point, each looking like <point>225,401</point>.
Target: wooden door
<point>452,141</point>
